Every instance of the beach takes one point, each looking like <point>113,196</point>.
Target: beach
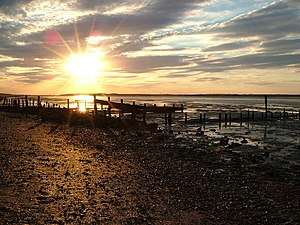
<point>56,174</point>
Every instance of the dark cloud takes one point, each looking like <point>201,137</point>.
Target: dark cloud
<point>12,7</point>
<point>277,20</point>
<point>208,79</point>
<point>280,46</point>
<point>147,63</point>
<point>228,46</point>
<point>245,62</point>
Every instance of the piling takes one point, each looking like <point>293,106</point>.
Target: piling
<point>26,101</point>
<point>266,106</point>
<point>144,113</point>
<point>95,104</point>
<point>109,106</point>
<point>185,117</point>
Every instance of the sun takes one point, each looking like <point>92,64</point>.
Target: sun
<point>85,66</point>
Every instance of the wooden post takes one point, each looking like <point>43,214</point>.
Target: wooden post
<point>170,118</point>
<point>253,114</point>
<point>266,107</point>
<point>248,115</point>
<point>182,108</point>
<point>225,117</point>
<point>241,116</point>
<point>185,117</point>
<point>122,112</point>
<point>133,112</point>
<point>220,117</point>
<point>68,103</point>
<point>144,113</point>
<point>200,117</point>
<point>109,106</point>
<point>39,101</point>
<point>284,113</point>
<point>230,117</point>
<point>26,101</point>
<point>95,104</point>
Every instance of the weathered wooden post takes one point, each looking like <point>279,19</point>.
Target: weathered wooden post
<point>133,111</point>
<point>144,113</point>
<point>166,117</point>
<point>109,106</point>
<point>182,108</point>
<point>39,101</point>
<point>200,117</point>
<point>266,107</point>
<point>95,104</point>
<point>68,103</point>
<point>26,101</point>
<point>170,118</point>
<point>122,111</point>
<point>185,117</point>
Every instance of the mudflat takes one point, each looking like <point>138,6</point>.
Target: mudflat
<point>55,174</point>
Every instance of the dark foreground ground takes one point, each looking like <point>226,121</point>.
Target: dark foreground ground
<point>54,174</point>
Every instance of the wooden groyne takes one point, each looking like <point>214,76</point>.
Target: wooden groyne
<point>108,111</point>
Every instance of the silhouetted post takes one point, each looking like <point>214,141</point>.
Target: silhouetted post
<point>39,101</point>
<point>284,113</point>
<point>133,112</point>
<point>144,113</point>
<point>253,114</point>
<point>230,117</point>
<point>122,112</point>
<point>109,106</point>
<point>166,116</point>
<point>241,116</point>
<point>33,102</point>
<point>68,103</point>
<point>95,104</point>
<point>248,115</point>
<point>26,101</point>
<point>226,119</point>
<point>200,117</point>
<point>185,117</point>
<point>204,117</point>
<point>170,118</point>
<point>266,106</point>
<point>220,117</point>
<point>182,108</point>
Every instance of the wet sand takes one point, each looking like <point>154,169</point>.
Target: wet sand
<point>55,174</point>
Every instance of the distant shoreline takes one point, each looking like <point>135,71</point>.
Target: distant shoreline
<point>175,95</point>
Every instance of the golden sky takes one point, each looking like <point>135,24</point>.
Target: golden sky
<point>143,46</point>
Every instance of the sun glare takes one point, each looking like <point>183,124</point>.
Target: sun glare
<point>85,66</point>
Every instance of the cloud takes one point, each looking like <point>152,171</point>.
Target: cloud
<point>147,63</point>
<point>277,20</point>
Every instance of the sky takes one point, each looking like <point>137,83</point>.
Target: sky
<point>150,46</point>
